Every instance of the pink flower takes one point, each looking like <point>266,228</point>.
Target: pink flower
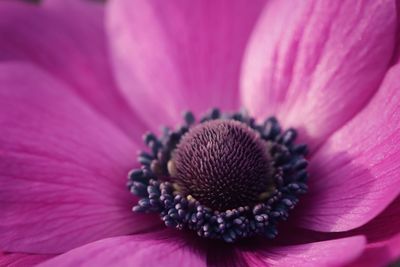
<point>81,82</point>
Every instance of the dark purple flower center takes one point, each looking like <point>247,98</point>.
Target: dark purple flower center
<point>225,177</point>
<point>223,164</point>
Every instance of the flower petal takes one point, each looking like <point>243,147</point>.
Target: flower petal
<point>63,167</point>
<point>71,45</point>
<point>379,254</point>
<point>315,64</point>
<point>21,260</point>
<point>141,250</point>
<point>325,253</point>
<point>223,255</point>
<point>356,173</point>
<point>181,55</point>
<point>384,226</point>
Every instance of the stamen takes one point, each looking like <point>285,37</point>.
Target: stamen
<point>226,177</point>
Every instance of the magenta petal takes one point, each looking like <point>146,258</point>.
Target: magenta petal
<point>223,255</point>
<point>63,168</point>
<point>325,253</point>
<point>315,64</point>
<point>69,42</point>
<point>356,173</point>
<point>379,254</point>
<point>182,55</point>
<point>393,246</point>
<point>384,226</point>
<point>148,250</point>
<point>21,260</point>
<point>61,4</point>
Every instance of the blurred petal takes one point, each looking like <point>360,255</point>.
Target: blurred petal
<point>171,56</point>
<point>63,168</point>
<point>325,253</point>
<point>141,250</point>
<point>69,42</point>
<point>379,254</point>
<point>21,260</point>
<point>315,64</point>
<point>356,173</point>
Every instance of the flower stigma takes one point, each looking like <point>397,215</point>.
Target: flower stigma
<point>224,177</point>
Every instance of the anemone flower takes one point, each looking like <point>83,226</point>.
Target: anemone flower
<point>284,103</point>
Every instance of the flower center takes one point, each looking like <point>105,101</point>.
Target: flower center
<point>223,164</point>
<point>225,177</point>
